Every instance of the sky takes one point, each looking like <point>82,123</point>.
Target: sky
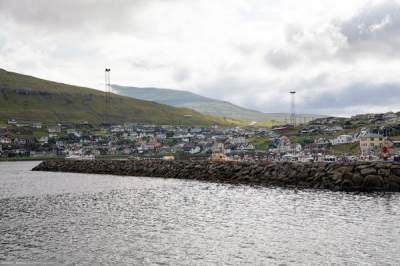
<point>341,57</point>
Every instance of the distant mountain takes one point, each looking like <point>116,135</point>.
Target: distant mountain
<point>32,99</point>
<point>203,104</point>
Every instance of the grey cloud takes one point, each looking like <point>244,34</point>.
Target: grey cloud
<point>181,74</point>
<point>229,87</point>
<point>357,95</point>
<point>374,30</point>
<point>73,14</point>
<point>293,33</point>
<point>312,97</point>
<point>140,63</point>
<point>280,59</point>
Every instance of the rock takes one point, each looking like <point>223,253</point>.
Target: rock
<point>384,172</point>
<point>367,171</point>
<point>347,184</point>
<point>372,181</point>
<point>395,187</point>
<point>362,166</point>
<point>395,171</point>
<point>337,177</point>
<point>357,179</point>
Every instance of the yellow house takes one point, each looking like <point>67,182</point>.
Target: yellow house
<point>372,144</point>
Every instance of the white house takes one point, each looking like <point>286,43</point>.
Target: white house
<point>195,150</point>
<point>44,139</point>
<point>54,129</point>
<point>342,139</point>
<point>5,140</point>
<point>37,125</point>
<point>12,121</point>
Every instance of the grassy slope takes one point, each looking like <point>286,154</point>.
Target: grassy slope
<point>203,104</point>
<point>346,149</point>
<point>260,143</point>
<point>49,101</point>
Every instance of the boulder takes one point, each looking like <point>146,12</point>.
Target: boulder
<point>372,181</point>
<point>395,171</point>
<point>383,172</point>
<point>395,187</point>
<point>357,179</point>
<point>367,171</point>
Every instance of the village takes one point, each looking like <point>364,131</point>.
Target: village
<point>369,137</point>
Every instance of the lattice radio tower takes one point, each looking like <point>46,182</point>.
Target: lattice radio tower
<point>293,108</point>
<point>108,95</point>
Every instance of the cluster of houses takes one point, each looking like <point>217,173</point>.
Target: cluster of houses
<point>371,146</point>
<point>34,139</point>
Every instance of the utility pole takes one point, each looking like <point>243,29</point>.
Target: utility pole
<point>108,96</point>
<point>293,108</point>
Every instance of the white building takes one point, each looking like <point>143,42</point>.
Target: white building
<point>342,139</point>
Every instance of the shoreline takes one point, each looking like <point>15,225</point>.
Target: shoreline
<point>353,176</point>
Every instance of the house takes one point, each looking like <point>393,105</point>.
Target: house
<point>22,124</point>
<point>5,140</point>
<point>12,121</point>
<point>333,129</point>
<point>59,143</point>
<point>54,129</point>
<point>37,125</point>
<point>390,116</point>
<point>372,144</point>
<point>24,140</point>
<point>238,140</point>
<point>44,139</point>
<point>342,139</point>
<point>192,149</point>
<point>284,145</point>
<point>218,148</point>
<point>395,147</point>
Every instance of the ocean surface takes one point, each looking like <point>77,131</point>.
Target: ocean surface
<point>65,218</point>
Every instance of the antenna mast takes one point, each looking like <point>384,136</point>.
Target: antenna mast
<point>107,94</point>
<point>293,108</point>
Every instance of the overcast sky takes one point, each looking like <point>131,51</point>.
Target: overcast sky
<point>341,56</point>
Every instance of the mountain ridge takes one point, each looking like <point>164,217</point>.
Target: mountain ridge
<point>203,104</point>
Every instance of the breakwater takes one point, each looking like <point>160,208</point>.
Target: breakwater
<point>352,176</point>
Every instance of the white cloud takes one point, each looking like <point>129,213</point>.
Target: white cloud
<point>251,52</point>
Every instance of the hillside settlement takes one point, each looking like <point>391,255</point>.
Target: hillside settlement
<point>362,137</point>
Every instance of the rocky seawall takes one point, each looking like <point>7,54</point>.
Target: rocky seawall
<point>354,176</point>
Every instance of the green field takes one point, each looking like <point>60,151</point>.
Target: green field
<point>346,149</point>
<point>28,98</point>
<point>260,143</point>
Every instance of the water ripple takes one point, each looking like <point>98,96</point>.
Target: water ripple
<point>57,218</point>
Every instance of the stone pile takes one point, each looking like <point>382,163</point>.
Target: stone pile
<point>353,176</point>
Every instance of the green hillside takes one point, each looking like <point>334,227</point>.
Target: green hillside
<point>204,105</point>
<point>32,99</point>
